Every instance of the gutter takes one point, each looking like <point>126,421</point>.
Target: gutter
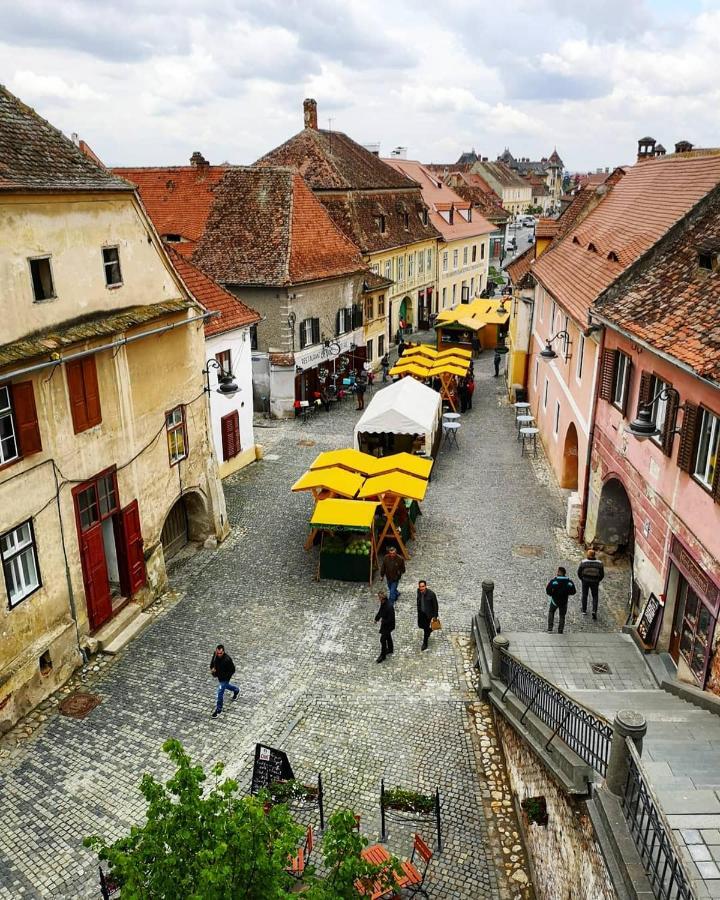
<point>591,439</point>
<point>111,346</point>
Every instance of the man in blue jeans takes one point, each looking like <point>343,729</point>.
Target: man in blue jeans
<point>393,569</point>
<point>223,668</point>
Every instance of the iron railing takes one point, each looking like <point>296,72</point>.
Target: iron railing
<point>487,607</point>
<point>586,733</point>
<point>653,836</point>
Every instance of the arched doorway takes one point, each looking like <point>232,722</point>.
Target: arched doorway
<point>405,313</point>
<point>615,531</point>
<point>569,477</point>
<point>187,521</point>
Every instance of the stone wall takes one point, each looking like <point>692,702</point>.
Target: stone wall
<point>566,858</point>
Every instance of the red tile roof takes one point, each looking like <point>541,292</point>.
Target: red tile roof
<point>233,312</point>
<point>521,266</point>
<point>546,228</point>
<point>634,214</point>
<point>668,301</point>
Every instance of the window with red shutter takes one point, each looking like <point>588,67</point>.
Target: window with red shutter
<point>688,434</point>
<point>607,374</point>
<point>26,419</point>
<point>230,430</point>
<point>84,394</point>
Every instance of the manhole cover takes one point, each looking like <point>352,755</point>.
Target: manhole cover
<point>528,550</point>
<point>79,704</point>
<point>306,442</point>
<point>600,668</point>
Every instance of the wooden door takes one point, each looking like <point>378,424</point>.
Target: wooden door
<point>95,577</point>
<point>131,559</point>
<point>680,596</point>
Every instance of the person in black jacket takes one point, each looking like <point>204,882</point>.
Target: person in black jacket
<point>386,616</point>
<point>590,572</point>
<point>558,590</point>
<point>427,610</point>
<point>223,668</point>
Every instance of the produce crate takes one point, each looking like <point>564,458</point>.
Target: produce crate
<point>345,566</point>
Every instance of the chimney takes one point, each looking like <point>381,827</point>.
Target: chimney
<point>310,113</point>
<point>683,147</point>
<point>646,148</point>
<point>198,160</point>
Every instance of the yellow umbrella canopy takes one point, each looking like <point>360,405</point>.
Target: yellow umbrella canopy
<point>339,481</point>
<point>449,369</point>
<point>454,351</point>
<point>349,458</point>
<point>351,514</point>
<point>405,462</point>
<point>421,350</point>
<point>458,361</point>
<point>395,483</point>
<point>414,369</point>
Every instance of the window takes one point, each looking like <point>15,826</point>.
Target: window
<point>83,392</point>
<point>425,216</point>
<point>111,263</point>
<point>176,434</point>
<point>88,508</point>
<point>107,495</point>
<point>444,296</point>
<point>553,310</point>
<point>697,630</point>
<point>406,221</point>
<point>541,308</point>
<point>20,563</point>
<point>172,238</point>
<point>482,251</point>
<point>537,368</point>
<point>474,253</point>
<point>421,262</point>
<point>9,448</point>
<point>389,269</point>
<point>225,361</point>
<point>381,305</point>
<point>381,345</point>
<point>42,280</point>
<point>456,258</point>
<point>380,222</point>
<point>580,355</point>
<point>428,260</point>
<point>454,293</point>
<point>556,424</point>
<point>472,286</point>
<point>375,269</point>
<point>253,337</point>
<point>445,261</point>
<point>464,293</point>
<point>465,256</point>
<point>369,350</point>
<point>566,339</point>
<point>658,413</point>
<point>411,266</point>
<point>705,260</point>
<point>706,457</point>
<point>369,309</point>
<point>620,381</point>
<point>309,332</point>
<point>401,268</point>
<point>545,394</point>
<point>343,320</point>
<point>230,433</point>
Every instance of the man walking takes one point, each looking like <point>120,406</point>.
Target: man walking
<point>385,366</point>
<point>360,386</point>
<point>558,590</point>
<point>386,617</point>
<point>223,668</point>
<point>497,359</point>
<point>392,569</point>
<point>591,572</point>
<point>427,610</point>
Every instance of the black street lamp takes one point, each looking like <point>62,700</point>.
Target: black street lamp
<point>227,386</point>
<point>548,352</point>
<point>643,427</point>
<point>291,320</point>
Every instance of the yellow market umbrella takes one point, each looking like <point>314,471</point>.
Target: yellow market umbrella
<point>395,483</point>
<point>335,479</point>
<point>405,462</point>
<point>349,458</point>
<point>354,515</point>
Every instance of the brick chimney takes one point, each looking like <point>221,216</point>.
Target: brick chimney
<point>683,147</point>
<point>310,113</point>
<point>646,148</point>
<point>198,160</point>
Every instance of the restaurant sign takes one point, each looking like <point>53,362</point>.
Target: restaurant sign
<point>319,354</point>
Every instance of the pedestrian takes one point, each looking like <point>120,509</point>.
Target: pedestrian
<point>427,610</point>
<point>370,378</point>
<point>591,572</point>
<point>401,347</point>
<point>385,366</point>
<point>392,569</point>
<point>360,387</point>
<point>325,398</point>
<point>558,590</point>
<point>462,394</point>
<point>470,381</point>
<point>223,668</point>
<point>386,617</point>
<point>475,345</point>
<point>497,359</point>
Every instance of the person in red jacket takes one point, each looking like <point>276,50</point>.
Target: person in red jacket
<point>470,381</point>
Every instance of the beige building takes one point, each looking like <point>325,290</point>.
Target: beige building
<point>514,191</point>
<point>106,463</point>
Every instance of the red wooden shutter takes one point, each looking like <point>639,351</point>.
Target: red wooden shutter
<point>230,431</point>
<point>25,416</point>
<point>668,431</point>
<point>686,453</point>
<point>628,380</point>
<point>92,394</point>
<point>607,374</point>
<point>135,558</point>
<point>95,577</point>
<point>644,396</point>
<point>716,480</point>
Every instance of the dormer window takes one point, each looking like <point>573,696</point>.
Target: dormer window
<point>406,221</point>
<point>425,216</point>
<point>613,257</point>
<point>592,248</point>
<point>576,240</point>
<point>173,238</point>
<point>469,214</point>
<point>707,260</point>
<point>380,222</point>
<point>451,215</point>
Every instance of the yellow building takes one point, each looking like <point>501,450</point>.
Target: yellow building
<point>106,462</point>
<point>514,191</point>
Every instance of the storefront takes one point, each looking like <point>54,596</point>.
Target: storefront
<point>323,366</point>
<point>425,308</point>
<point>692,601</point>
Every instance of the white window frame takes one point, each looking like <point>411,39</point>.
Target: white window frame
<point>556,423</point>
<point>445,260</point>
<point>175,426</point>
<point>444,297</point>
<point>566,339</point>
<point>53,295</point>
<point>108,265</point>
<point>400,268</point>
<point>369,350</point>
<point>708,445</point>
<point>545,393</point>
<point>389,269</point>
<point>465,255</point>
<point>429,260</point>
<point>456,260</point>
<point>621,380</point>
<point>18,553</point>
<point>7,427</point>
<point>411,266</point>
<point>580,357</point>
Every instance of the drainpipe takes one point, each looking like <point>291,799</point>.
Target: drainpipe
<point>591,437</point>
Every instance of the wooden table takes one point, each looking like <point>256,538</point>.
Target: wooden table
<point>385,887</point>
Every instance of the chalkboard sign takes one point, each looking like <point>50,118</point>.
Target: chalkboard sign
<point>648,618</point>
<point>271,765</point>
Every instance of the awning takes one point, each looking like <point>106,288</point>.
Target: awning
<point>395,483</point>
<point>352,515</point>
<point>415,369</point>
<point>405,462</point>
<point>353,460</point>
<point>472,316</point>
<point>334,479</point>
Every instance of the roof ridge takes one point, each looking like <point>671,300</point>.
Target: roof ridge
<point>291,212</point>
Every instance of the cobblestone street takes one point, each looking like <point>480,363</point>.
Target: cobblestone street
<point>305,655</point>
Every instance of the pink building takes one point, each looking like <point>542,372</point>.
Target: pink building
<point>660,497</point>
<point>639,207</point>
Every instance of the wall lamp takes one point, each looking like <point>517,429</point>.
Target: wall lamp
<point>643,427</point>
<point>548,352</point>
<point>227,386</point>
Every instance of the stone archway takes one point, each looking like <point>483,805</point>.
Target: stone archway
<point>406,311</point>
<point>615,531</point>
<point>186,521</point>
<point>569,474</point>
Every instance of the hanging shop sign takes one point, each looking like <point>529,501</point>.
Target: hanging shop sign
<point>319,354</point>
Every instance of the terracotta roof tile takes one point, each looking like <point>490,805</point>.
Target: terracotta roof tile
<point>35,156</point>
<point>502,174</point>
<point>634,214</point>
<point>547,228</point>
<point>521,266</point>
<point>233,312</point>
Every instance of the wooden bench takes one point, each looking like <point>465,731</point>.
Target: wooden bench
<point>299,860</point>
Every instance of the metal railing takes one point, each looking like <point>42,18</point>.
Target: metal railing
<point>585,733</point>
<point>492,623</point>
<point>653,836</point>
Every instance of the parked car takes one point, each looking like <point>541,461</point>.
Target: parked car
<point>527,221</point>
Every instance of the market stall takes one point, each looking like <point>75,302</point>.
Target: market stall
<point>348,541</point>
<point>396,492</point>
<point>407,463</point>
<point>405,416</point>
<point>481,321</point>
<point>415,368</point>
<point>424,351</point>
<point>448,371</point>
<point>350,459</point>
<point>325,484</point>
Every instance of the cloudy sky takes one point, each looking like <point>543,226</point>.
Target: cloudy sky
<point>147,83</point>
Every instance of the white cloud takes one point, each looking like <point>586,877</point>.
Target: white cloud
<point>34,87</point>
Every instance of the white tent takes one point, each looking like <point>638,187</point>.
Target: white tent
<point>405,407</point>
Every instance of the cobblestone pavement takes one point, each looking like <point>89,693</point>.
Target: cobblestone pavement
<point>305,653</point>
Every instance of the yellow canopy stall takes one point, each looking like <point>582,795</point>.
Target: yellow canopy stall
<point>479,319</point>
<point>416,369</point>
<point>326,484</point>
<point>448,370</point>
<point>418,466</point>
<point>346,560</point>
<point>348,458</point>
<point>420,350</point>
<point>392,489</point>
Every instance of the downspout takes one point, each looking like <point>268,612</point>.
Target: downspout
<point>591,438</point>
<point>68,577</point>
